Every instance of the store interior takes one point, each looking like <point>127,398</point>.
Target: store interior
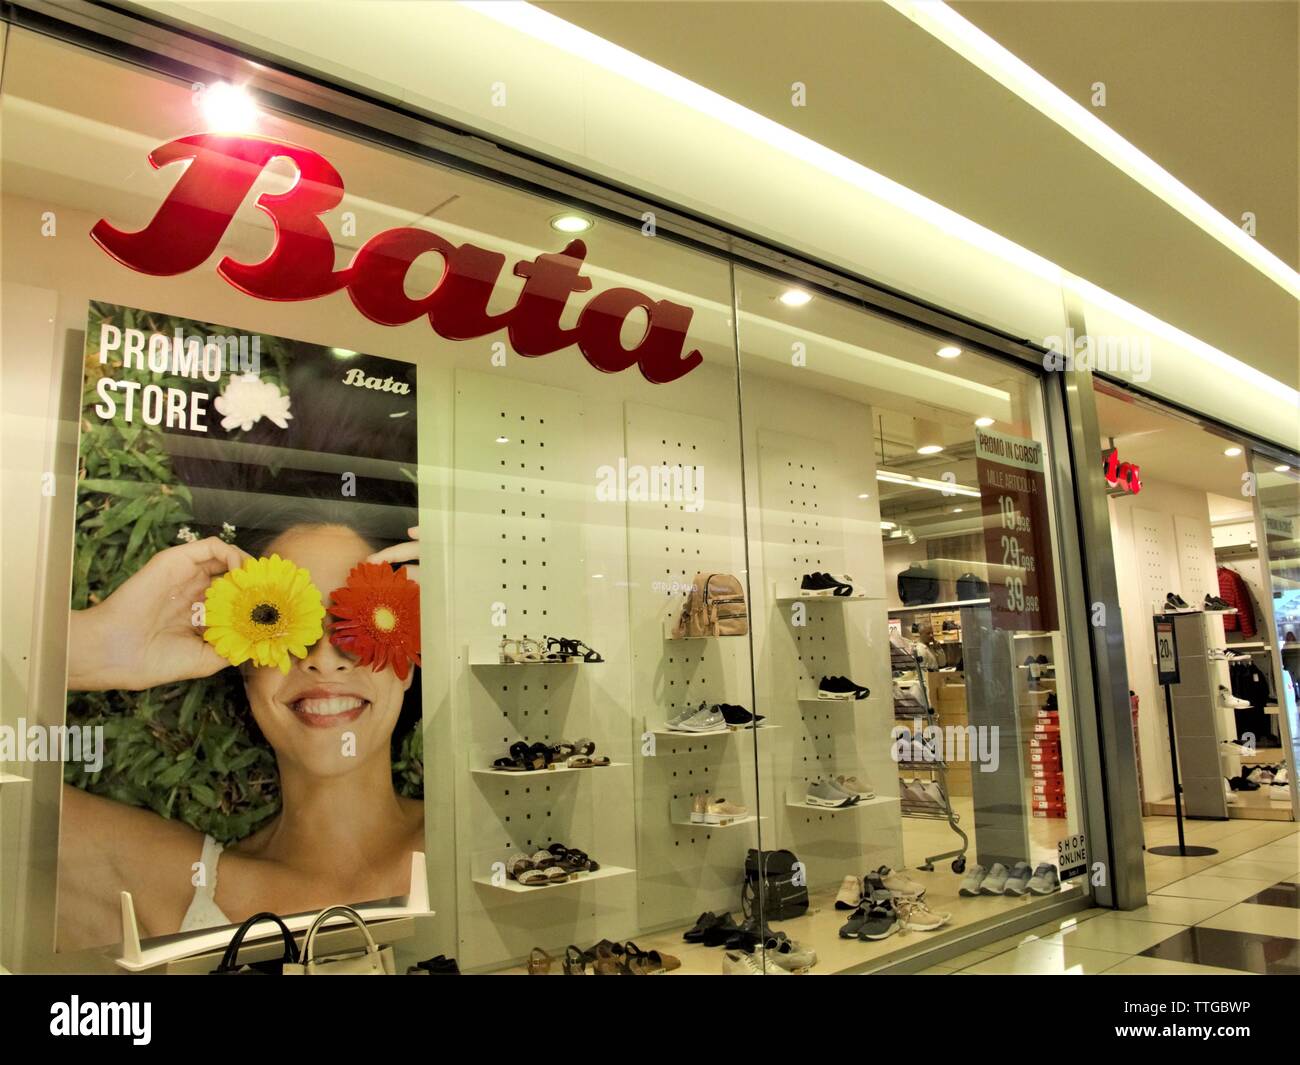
<point>1190,531</point>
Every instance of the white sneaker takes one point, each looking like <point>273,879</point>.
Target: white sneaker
<point>738,963</point>
<point>796,959</point>
<point>916,916</point>
<point>1230,701</point>
<point>933,792</point>
<point>900,885</point>
<point>854,786</point>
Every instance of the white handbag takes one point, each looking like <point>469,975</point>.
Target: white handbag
<point>372,961</point>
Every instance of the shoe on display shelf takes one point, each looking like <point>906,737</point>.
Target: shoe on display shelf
<point>899,884</point>
<point>719,932</point>
<point>996,881</point>
<point>1280,778</point>
<point>843,791</point>
<point>737,716</point>
<point>1017,882</point>
<point>1213,602</point>
<point>823,793</point>
<point>841,688</point>
<point>874,890</point>
<point>699,804</point>
<point>720,812</point>
<point>915,916</point>
<point>850,893</point>
<point>705,921</point>
<point>881,922</point>
<point>791,956</point>
<point>1242,784</point>
<point>738,963</point>
<point>1230,701</point>
<point>1176,603</point>
<point>950,626</point>
<point>970,883</point>
<point>706,719</point>
<point>825,584</point>
<point>857,787</point>
<point>850,928</point>
<point>684,714</point>
<point>1261,774</point>
<point>1045,881</point>
<point>1226,654</point>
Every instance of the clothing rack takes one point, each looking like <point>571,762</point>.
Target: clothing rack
<point>900,663</point>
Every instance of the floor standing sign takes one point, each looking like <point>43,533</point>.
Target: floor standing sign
<point>1167,675</point>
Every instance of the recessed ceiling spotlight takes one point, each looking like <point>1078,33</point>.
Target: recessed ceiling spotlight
<point>228,108</point>
<point>929,449</point>
<point>867,495</point>
<point>983,423</point>
<point>503,439</point>
<point>957,510</point>
<point>795,297</point>
<point>1281,469</point>
<point>888,525</point>
<point>949,351</point>
<point>569,222</point>
<point>1232,452</point>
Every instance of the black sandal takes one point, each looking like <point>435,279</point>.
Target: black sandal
<point>574,962</point>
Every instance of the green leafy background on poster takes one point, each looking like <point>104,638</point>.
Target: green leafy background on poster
<point>188,750</point>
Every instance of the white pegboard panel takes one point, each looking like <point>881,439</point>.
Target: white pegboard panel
<point>1153,546</point>
<point>814,519</point>
<point>523,485</point>
<point>684,869</point>
<point>1195,559</point>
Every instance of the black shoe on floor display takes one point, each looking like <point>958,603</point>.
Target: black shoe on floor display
<point>703,923</point>
<point>1041,660</point>
<point>439,966</point>
<point>1050,703</point>
<point>950,626</point>
<point>1242,784</point>
<point>720,931</point>
<point>840,688</point>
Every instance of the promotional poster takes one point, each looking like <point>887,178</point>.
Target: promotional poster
<point>243,639</point>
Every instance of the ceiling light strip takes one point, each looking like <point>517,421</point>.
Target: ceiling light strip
<point>976,46</point>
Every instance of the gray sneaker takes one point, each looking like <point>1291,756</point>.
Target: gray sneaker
<point>703,720</point>
<point>821,793</point>
<point>996,882</point>
<point>881,922</point>
<point>1018,881</point>
<point>970,883</point>
<point>852,796</point>
<point>1045,880</point>
<point>684,714</point>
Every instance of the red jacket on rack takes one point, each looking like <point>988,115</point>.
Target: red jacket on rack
<point>1233,591</point>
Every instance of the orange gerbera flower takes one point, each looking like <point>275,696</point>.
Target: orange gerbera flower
<point>378,618</point>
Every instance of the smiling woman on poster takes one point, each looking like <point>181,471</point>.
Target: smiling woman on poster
<point>342,833</point>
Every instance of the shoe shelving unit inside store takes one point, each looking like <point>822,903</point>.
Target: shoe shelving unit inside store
<point>903,665</point>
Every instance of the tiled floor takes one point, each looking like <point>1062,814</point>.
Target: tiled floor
<point>1236,912</point>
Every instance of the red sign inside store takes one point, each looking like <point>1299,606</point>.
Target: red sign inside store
<point>1017,536</point>
<point>1124,475</point>
<point>190,222</point>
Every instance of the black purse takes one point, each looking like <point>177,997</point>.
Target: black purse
<point>230,960</point>
<point>784,888</point>
<point>917,586</point>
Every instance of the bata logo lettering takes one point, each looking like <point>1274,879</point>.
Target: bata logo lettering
<point>194,217</point>
<point>1123,475</point>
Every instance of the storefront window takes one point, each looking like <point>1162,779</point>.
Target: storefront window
<point>907,625</point>
<point>402,538</point>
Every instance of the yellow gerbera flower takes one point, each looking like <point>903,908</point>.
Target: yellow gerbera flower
<point>266,610</point>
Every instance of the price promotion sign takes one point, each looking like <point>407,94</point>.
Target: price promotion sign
<point>1017,536</point>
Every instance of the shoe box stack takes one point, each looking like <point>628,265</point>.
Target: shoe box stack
<point>1047,778</point>
<point>948,692</point>
<point>946,626</point>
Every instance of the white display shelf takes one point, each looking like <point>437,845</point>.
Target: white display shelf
<point>930,607</point>
<point>177,948</point>
<point>496,663</point>
<point>861,804</point>
<point>749,820</point>
<point>13,778</point>
<point>806,698</point>
<point>536,774</point>
<point>605,872</point>
<point>789,592</point>
<point>726,731</point>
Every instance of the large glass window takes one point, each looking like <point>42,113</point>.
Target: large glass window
<point>396,535</point>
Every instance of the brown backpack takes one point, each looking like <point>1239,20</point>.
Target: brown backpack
<point>714,607</point>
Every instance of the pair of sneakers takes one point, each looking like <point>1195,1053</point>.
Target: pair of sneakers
<point>1176,603</point>
<point>1021,879</point>
<point>698,719</point>
<point>874,919</point>
<point>841,688</point>
<point>818,584</point>
<point>830,794</point>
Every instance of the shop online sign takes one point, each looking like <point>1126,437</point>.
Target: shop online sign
<point>190,222</point>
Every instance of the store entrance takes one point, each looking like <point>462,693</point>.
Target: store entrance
<point>1183,525</point>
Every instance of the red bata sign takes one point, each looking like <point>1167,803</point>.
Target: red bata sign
<point>196,213</point>
<point>1122,475</point>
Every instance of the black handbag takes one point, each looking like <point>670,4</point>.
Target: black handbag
<point>274,967</point>
<point>969,586</point>
<point>784,887</point>
<point>917,586</point>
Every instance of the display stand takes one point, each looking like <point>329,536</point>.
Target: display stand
<point>1168,675</point>
<point>200,951</point>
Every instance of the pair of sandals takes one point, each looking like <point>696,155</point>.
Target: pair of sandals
<point>525,758</point>
<point>620,959</point>
<point>526,651</point>
<point>555,865</point>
